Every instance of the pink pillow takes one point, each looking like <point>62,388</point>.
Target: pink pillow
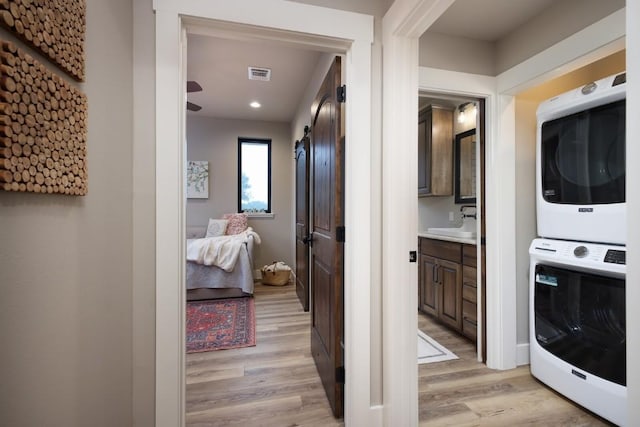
<point>237,223</point>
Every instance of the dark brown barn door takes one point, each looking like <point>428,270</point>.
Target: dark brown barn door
<point>327,250</point>
<point>302,219</point>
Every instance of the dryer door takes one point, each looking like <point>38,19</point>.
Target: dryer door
<point>583,157</point>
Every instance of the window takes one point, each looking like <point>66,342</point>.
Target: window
<point>254,175</point>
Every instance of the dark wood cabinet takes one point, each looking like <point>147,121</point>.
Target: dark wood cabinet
<point>440,287</point>
<point>447,288</point>
<point>450,285</point>
<point>435,152</point>
<point>427,289</point>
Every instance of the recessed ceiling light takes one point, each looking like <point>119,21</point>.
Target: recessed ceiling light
<point>255,104</point>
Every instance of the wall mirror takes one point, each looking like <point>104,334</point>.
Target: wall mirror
<point>465,167</point>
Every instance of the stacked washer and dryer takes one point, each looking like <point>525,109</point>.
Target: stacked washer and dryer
<point>578,264</point>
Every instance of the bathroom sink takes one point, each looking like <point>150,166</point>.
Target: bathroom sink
<point>459,232</point>
<point>466,231</point>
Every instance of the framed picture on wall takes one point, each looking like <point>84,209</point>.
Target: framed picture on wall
<point>197,179</point>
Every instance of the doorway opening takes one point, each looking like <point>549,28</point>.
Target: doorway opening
<point>451,192</point>
<point>227,115</point>
<point>354,40</point>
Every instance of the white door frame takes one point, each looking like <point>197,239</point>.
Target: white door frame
<point>348,32</point>
<point>437,81</point>
<point>403,24</point>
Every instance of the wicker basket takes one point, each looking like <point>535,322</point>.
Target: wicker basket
<point>276,274</point>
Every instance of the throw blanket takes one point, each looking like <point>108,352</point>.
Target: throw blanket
<point>220,251</point>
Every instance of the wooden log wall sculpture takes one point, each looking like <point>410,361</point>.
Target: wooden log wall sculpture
<point>55,27</point>
<point>43,128</point>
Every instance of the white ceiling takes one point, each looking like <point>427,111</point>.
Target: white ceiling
<point>220,65</point>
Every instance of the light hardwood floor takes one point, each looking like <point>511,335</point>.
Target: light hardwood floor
<point>275,383</point>
<point>464,392</point>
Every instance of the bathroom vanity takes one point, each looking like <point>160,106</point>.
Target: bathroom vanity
<point>447,281</point>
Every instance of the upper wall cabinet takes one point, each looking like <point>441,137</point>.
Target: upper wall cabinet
<point>435,152</point>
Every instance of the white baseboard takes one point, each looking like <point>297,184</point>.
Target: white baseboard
<point>522,354</point>
<point>257,274</point>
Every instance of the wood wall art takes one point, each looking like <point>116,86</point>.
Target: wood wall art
<point>43,128</point>
<point>55,27</point>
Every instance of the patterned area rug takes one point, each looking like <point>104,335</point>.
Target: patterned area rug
<point>220,324</point>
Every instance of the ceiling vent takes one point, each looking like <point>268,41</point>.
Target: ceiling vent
<point>258,73</point>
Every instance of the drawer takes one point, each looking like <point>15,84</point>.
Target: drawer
<point>470,293</point>
<point>469,276</point>
<point>469,312</point>
<point>470,330</point>
<point>469,254</point>
<point>469,322</point>
<point>441,249</point>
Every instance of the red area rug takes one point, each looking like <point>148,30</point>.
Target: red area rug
<point>220,324</point>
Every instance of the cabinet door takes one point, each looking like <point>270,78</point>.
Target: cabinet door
<point>428,291</point>
<point>449,277</point>
<point>441,147</point>
<point>424,166</point>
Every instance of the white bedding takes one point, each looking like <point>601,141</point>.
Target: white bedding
<point>221,251</point>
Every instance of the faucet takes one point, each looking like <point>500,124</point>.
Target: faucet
<point>466,215</point>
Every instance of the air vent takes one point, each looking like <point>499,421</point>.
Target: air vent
<point>258,73</point>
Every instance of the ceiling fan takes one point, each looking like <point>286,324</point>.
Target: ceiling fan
<point>193,86</point>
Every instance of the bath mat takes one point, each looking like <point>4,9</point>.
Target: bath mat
<point>429,350</point>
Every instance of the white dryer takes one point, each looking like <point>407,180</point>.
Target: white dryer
<point>580,156</point>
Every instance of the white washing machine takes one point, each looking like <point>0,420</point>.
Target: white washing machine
<point>577,323</point>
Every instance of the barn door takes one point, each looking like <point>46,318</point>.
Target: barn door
<point>327,231</point>
<point>302,219</point>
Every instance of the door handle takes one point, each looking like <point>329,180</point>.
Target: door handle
<point>308,240</point>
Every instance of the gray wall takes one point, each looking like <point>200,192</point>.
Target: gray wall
<point>376,8</point>
<point>560,20</point>
<point>216,141</point>
<point>144,226</point>
<point>469,56</point>
<point>554,24</point>
<point>526,106</point>
<point>66,262</point>
<point>525,206</point>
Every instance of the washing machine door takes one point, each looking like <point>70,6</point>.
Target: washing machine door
<point>583,156</point>
<point>580,318</point>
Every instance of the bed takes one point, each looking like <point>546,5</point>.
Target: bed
<point>224,277</point>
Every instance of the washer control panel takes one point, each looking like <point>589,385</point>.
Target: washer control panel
<point>581,251</point>
<point>616,257</point>
<point>585,254</point>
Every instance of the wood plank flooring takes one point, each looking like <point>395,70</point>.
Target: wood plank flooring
<point>275,383</point>
<point>464,392</point>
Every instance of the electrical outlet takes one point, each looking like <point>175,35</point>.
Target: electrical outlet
<point>450,216</point>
